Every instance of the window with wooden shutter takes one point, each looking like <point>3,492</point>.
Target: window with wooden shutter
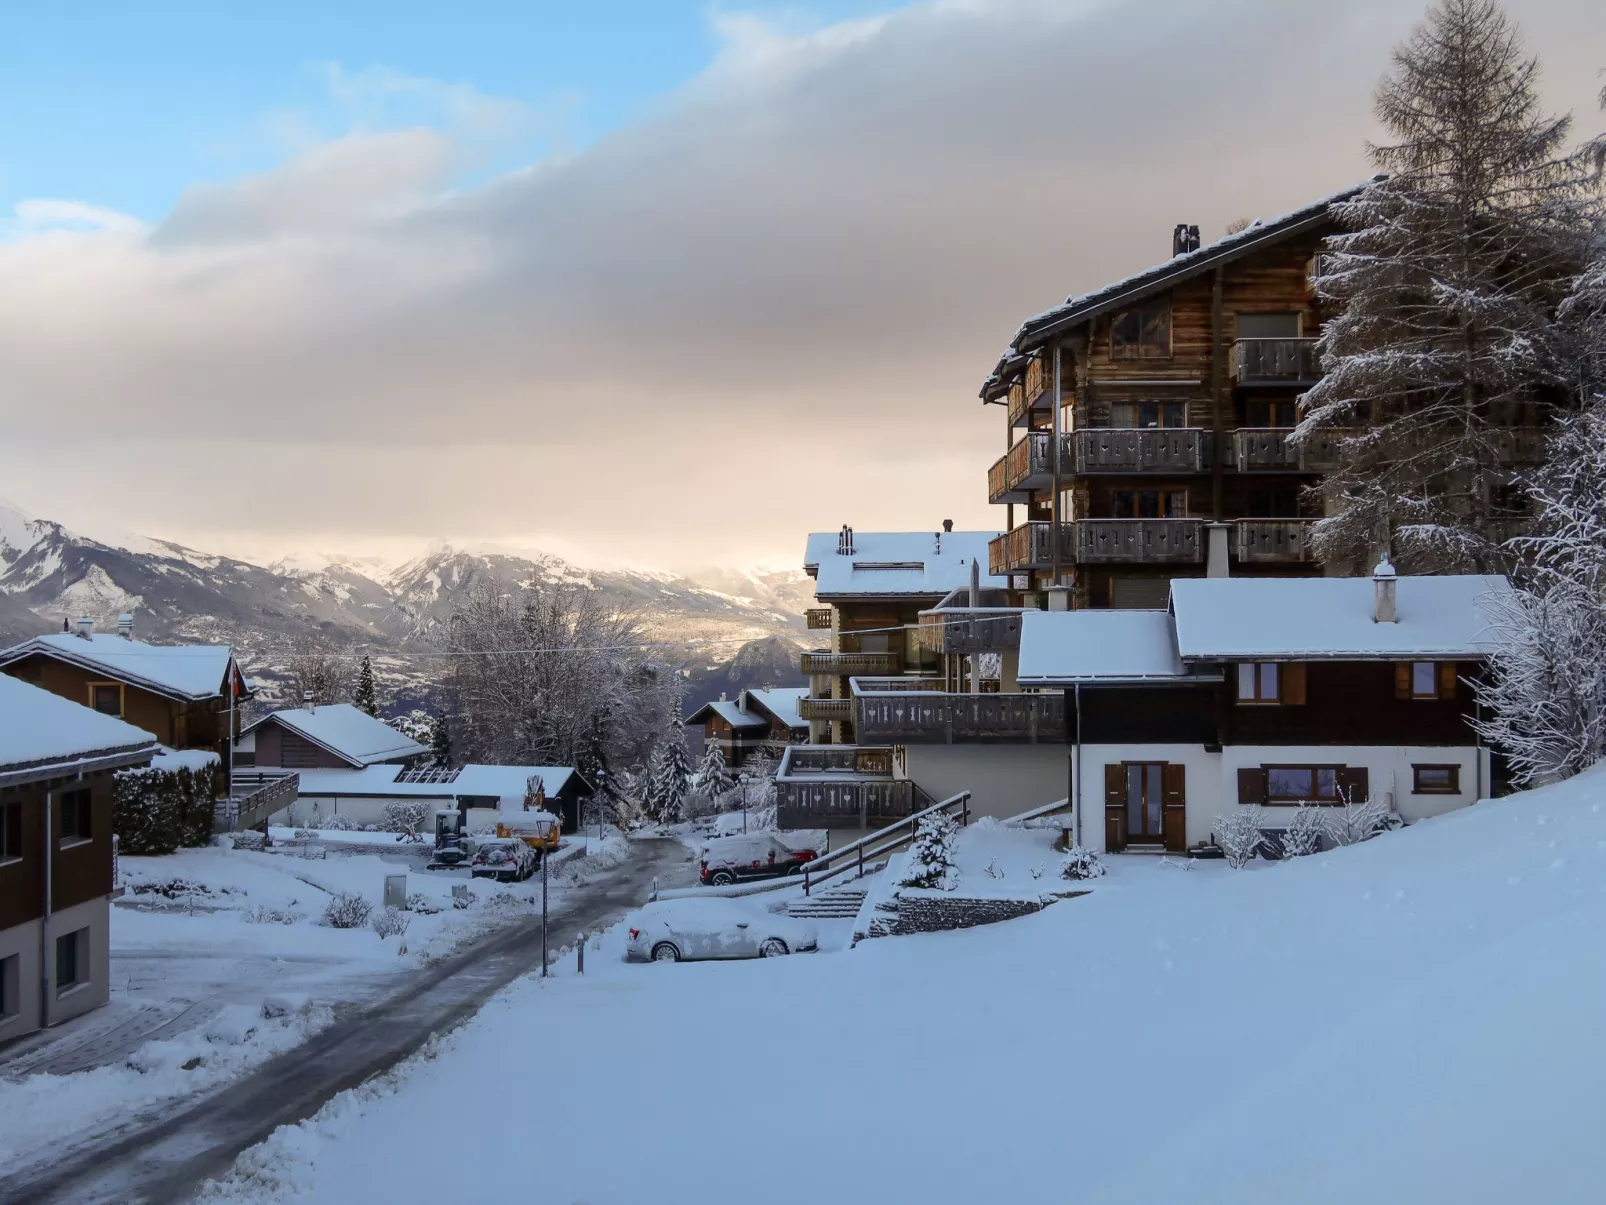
<point>1354,784</point>
<point>1293,683</point>
<point>1252,785</point>
<point>1447,679</point>
<point>1402,679</point>
<point>1173,784</point>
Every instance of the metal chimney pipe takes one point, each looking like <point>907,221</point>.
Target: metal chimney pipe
<point>1385,593</point>
<point>86,626</point>
<point>125,626</point>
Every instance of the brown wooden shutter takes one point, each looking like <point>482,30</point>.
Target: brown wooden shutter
<point>1291,677</point>
<point>1174,813</point>
<point>1115,786</point>
<point>1402,679</point>
<point>1252,785</point>
<point>1447,679</point>
<point>1354,784</point>
<point>1173,784</point>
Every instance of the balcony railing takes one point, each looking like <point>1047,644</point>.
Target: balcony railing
<point>1028,465</point>
<point>841,786</point>
<point>971,630</point>
<point>1140,450</point>
<point>1264,448</point>
<point>1139,541</point>
<point>818,618</point>
<point>1028,546</point>
<point>1274,540</point>
<point>1276,362</point>
<point>822,661</point>
<point>825,709</point>
<point>932,717</point>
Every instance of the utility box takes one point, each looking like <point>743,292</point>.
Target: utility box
<point>396,890</point>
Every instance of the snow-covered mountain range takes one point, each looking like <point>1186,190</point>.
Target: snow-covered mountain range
<point>48,573</point>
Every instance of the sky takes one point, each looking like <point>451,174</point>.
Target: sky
<point>658,284</point>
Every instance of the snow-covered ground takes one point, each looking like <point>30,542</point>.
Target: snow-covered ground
<point>204,937</point>
<point>1413,1019</point>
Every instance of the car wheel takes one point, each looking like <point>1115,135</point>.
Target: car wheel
<point>722,878</point>
<point>795,868</point>
<point>665,952</point>
<point>774,948</point>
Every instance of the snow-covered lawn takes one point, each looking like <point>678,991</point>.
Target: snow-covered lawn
<point>202,938</point>
<point>1413,1019</point>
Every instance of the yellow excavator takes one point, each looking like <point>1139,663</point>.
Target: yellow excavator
<point>539,830</point>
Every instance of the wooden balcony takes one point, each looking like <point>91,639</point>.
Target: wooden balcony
<point>1131,450</point>
<point>1139,541</point>
<point>825,709</point>
<point>1276,362</point>
<point>971,630</point>
<point>1261,449</point>
<point>1019,410</point>
<point>841,786</point>
<point>1028,546</point>
<point>1263,541</point>
<point>1027,466</point>
<point>818,618</point>
<point>822,661</point>
<point>934,718</point>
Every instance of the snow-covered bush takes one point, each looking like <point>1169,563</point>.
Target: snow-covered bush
<point>347,911</point>
<point>931,856</point>
<point>156,809</point>
<point>372,828</point>
<point>248,839</point>
<point>1304,832</point>
<point>1353,822</point>
<point>339,824</point>
<point>392,922</point>
<point>1081,863</point>
<point>1237,831</point>
<point>405,818</point>
<point>261,914</point>
<point>172,889</point>
<point>422,904</point>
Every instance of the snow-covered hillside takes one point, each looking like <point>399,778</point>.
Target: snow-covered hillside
<point>1413,1019</point>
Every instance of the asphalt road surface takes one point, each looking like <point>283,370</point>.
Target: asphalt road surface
<point>165,1157</point>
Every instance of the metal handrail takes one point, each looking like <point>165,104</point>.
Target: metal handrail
<point>894,835</point>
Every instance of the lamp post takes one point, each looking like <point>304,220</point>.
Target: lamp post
<point>543,914</point>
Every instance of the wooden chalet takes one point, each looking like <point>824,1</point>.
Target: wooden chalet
<point>756,720</point>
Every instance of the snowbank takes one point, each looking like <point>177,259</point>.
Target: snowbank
<point>1412,1019</point>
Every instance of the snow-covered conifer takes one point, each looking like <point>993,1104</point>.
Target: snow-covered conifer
<point>1444,290</point>
<point>931,856</point>
<point>365,698</point>
<point>440,740</point>
<point>714,779</point>
<point>671,773</point>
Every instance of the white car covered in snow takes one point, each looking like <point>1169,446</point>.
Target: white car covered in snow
<point>691,929</point>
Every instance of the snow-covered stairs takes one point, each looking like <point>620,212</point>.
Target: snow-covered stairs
<point>834,903</point>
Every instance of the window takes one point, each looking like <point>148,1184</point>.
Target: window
<point>1149,414</point>
<point>1270,412</point>
<point>1435,780</point>
<point>1272,502</point>
<point>106,698</point>
<point>1271,682</point>
<point>10,832</point>
<point>1142,333</point>
<point>75,817</point>
<point>10,987</point>
<point>1302,784</point>
<point>1425,680</point>
<point>1148,504</point>
<point>1269,326</point>
<point>72,960</point>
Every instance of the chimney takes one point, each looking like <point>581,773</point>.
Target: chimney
<point>975,582</point>
<point>844,541</point>
<point>1184,238</point>
<point>1217,536</point>
<point>1059,598</point>
<point>306,700</point>
<point>125,626</point>
<point>947,524</point>
<point>1385,593</point>
<point>86,626</point>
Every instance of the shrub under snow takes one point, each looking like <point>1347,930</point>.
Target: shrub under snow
<point>248,839</point>
<point>1352,823</point>
<point>392,922</point>
<point>347,911</point>
<point>339,824</point>
<point>1081,863</point>
<point>408,818</point>
<point>1304,832</point>
<point>1237,831</point>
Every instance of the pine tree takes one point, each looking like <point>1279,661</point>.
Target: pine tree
<point>931,855</point>
<point>1445,289</point>
<point>714,778</point>
<point>440,741</point>
<point>671,773</point>
<point>365,698</point>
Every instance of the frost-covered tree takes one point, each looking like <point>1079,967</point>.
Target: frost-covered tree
<point>714,779</point>
<point>365,697</point>
<point>1444,288</point>
<point>671,773</point>
<point>1544,698</point>
<point>440,741</point>
<point>1237,832</point>
<point>931,855</point>
<point>317,669</point>
<point>757,793</point>
<point>1303,835</point>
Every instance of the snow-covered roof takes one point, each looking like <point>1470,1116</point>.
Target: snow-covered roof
<point>185,759</point>
<point>1066,647</point>
<point>182,671</point>
<point>781,702</point>
<point>1225,618</point>
<point>500,782</point>
<point>730,712</point>
<point>1078,308</point>
<point>40,728</point>
<point>888,563</point>
<point>346,731</point>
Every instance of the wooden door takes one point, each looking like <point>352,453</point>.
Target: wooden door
<point>1143,796</point>
<point>1174,796</point>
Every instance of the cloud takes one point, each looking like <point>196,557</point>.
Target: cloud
<point>762,311</point>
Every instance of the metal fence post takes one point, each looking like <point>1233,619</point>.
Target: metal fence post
<point>580,958</point>
<point>543,916</point>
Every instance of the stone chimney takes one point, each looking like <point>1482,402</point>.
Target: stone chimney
<point>1217,549</point>
<point>1385,593</point>
<point>86,626</point>
<point>947,524</point>
<point>1184,238</point>
<point>306,700</point>
<point>125,626</point>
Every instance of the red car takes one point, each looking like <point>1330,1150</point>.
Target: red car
<point>759,856</point>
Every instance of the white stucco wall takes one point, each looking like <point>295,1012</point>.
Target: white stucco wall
<point>1003,780</point>
<point>22,942</point>
<point>95,915</point>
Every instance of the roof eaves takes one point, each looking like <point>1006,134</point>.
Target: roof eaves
<point>37,648</point>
